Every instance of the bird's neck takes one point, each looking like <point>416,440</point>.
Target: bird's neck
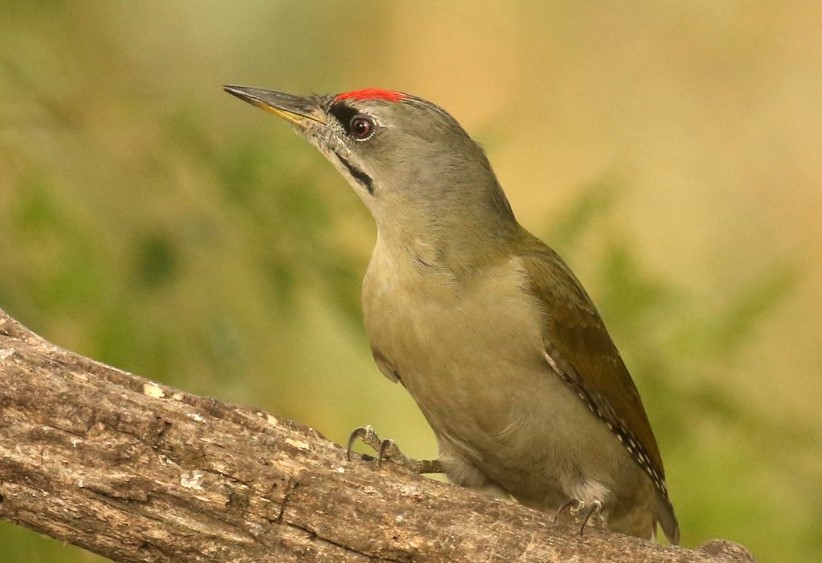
<point>459,247</point>
<point>460,226</point>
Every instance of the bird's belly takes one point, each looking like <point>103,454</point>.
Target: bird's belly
<point>461,357</point>
<point>476,370</point>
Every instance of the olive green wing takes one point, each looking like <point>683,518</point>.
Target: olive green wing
<point>578,348</point>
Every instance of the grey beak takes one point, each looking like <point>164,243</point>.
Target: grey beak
<point>299,110</point>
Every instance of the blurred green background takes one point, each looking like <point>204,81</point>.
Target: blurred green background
<point>670,151</point>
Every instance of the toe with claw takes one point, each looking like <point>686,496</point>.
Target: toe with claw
<point>388,450</point>
<point>582,512</point>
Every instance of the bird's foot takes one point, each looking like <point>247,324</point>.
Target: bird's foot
<point>388,450</point>
<point>582,512</point>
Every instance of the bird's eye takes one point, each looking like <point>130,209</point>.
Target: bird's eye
<point>361,127</point>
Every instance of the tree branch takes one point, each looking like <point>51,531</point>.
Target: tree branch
<point>137,471</point>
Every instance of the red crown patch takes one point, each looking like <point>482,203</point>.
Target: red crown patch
<point>371,94</point>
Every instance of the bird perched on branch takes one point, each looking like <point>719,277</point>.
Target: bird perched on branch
<point>485,325</point>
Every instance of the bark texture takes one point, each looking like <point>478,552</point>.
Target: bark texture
<point>137,471</point>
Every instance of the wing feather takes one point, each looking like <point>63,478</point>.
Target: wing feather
<point>578,348</point>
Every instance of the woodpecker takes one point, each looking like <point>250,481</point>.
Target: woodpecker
<point>484,325</point>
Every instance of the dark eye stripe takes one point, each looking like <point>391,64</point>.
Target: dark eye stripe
<point>343,113</point>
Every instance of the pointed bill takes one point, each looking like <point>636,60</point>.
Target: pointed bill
<point>299,110</point>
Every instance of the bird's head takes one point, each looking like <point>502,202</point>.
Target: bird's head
<point>411,163</point>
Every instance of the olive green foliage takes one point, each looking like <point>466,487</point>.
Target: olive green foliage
<point>154,223</point>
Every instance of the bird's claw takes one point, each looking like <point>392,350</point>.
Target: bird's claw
<point>367,436</point>
<point>388,450</point>
<point>569,505</point>
<point>581,511</point>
